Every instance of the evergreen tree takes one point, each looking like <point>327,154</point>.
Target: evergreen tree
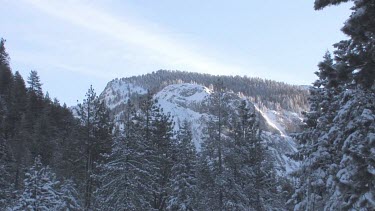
<point>316,153</point>
<point>354,57</point>
<point>184,188</point>
<point>146,106</point>
<point>94,117</point>
<point>162,155</point>
<point>352,136</point>
<point>337,171</point>
<point>6,82</point>
<point>40,189</point>
<point>35,101</point>
<point>35,86</point>
<point>68,158</point>
<point>240,160</point>
<point>43,138</point>
<point>251,181</point>
<point>213,146</point>
<point>69,197</point>
<point>6,76</point>
<point>205,179</point>
<point>125,176</point>
<point>6,162</point>
<point>17,103</point>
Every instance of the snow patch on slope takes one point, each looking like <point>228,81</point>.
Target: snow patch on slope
<point>118,92</point>
<point>283,121</point>
<point>177,100</point>
<point>184,94</point>
<point>270,119</point>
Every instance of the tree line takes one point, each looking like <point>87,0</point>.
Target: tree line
<point>271,94</point>
<point>42,142</point>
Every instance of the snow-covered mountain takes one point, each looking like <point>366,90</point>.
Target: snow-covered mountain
<point>187,101</point>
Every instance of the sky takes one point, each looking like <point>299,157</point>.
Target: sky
<point>74,44</point>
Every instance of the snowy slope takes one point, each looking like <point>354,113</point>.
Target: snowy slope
<point>119,91</point>
<point>185,102</point>
<point>179,100</point>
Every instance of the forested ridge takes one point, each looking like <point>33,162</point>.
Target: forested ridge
<point>271,94</point>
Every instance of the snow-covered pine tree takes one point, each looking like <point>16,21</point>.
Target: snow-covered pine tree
<point>314,149</point>
<point>94,117</point>
<point>40,190</point>
<point>239,162</point>
<point>162,155</point>
<point>183,184</point>
<point>355,56</point>
<point>125,176</point>
<point>213,149</point>
<point>70,197</point>
<point>353,136</point>
<point>251,181</point>
<point>339,154</point>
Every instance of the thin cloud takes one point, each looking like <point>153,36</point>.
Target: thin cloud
<point>163,49</point>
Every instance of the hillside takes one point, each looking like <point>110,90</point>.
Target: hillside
<point>189,101</point>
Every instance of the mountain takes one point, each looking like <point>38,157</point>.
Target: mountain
<point>185,96</point>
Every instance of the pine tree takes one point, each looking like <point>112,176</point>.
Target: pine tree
<point>63,138</point>
<point>35,101</point>
<point>250,177</point>
<point>213,146</point>
<point>183,183</point>
<point>337,170</point>
<point>146,106</point>
<point>94,117</point>
<point>125,176</point>
<point>43,139</point>
<point>354,56</point>
<point>69,197</point>
<point>6,161</point>
<point>40,189</point>
<point>6,76</point>
<point>352,184</point>
<point>240,160</point>
<point>205,179</point>
<point>18,101</point>
<point>162,156</point>
<point>34,83</point>
<point>315,152</point>
<point>6,82</point>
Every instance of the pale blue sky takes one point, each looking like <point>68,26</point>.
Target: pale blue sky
<point>73,44</point>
